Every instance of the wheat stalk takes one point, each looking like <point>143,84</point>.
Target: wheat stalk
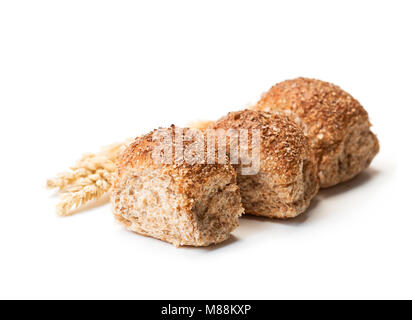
<point>89,179</point>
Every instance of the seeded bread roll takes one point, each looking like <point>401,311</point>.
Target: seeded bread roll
<point>335,123</point>
<point>287,179</point>
<point>186,205</point>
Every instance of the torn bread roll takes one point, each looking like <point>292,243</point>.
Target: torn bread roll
<point>336,124</point>
<point>287,179</point>
<point>174,201</point>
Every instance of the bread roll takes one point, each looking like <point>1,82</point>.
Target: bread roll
<point>181,203</point>
<point>336,124</point>
<point>287,179</point>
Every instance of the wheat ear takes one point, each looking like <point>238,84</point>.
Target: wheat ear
<point>89,179</point>
<point>201,125</point>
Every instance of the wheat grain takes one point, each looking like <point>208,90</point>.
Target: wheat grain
<point>67,178</point>
<point>76,199</point>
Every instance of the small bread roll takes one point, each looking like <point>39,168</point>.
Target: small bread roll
<point>180,203</point>
<point>287,179</point>
<point>335,123</point>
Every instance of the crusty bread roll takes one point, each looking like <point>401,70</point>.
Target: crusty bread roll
<point>335,123</point>
<point>184,204</point>
<point>287,179</point>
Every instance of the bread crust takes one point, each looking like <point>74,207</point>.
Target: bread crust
<point>193,219</point>
<point>328,116</point>
<point>287,180</point>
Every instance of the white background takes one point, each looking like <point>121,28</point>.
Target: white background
<point>76,75</point>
